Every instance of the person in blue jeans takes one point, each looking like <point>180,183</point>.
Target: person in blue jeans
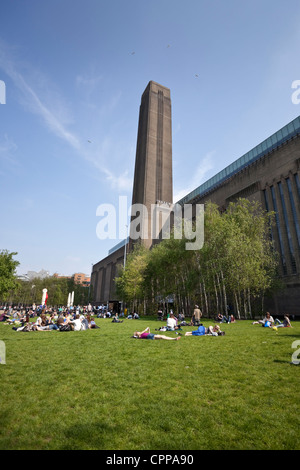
<point>202,331</point>
<point>286,322</point>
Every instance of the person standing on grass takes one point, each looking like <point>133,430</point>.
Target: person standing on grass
<point>147,335</point>
<point>197,315</point>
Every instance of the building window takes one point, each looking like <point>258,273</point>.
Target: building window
<point>294,212</point>
<point>284,268</point>
<point>268,210</point>
<point>297,183</point>
<point>288,231</point>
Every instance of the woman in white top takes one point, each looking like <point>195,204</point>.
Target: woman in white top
<point>268,319</point>
<point>77,323</point>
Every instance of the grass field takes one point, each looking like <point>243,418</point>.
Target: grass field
<point>102,389</point>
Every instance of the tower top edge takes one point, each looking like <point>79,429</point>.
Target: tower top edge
<point>154,86</point>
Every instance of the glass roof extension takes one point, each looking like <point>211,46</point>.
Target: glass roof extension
<point>116,247</point>
<point>272,142</point>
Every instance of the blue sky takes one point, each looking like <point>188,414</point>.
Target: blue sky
<point>75,71</point>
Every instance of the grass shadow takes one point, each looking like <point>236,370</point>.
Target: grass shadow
<point>90,436</point>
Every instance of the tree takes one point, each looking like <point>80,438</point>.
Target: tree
<point>8,279</point>
<point>236,265</point>
<point>130,281</point>
<point>238,260</point>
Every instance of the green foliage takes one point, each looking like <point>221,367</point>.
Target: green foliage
<point>29,292</point>
<point>129,284</point>
<point>8,280</point>
<point>236,265</point>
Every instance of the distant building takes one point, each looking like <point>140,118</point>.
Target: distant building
<point>82,279</point>
<point>79,278</point>
<point>35,275</point>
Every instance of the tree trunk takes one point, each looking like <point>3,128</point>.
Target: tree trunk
<point>237,305</point>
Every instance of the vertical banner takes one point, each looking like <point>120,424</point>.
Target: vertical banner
<point>2,353</point>
<point>44,297</point>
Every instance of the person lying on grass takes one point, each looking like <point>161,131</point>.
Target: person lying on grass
<point>202,331</point>
<point>147,335</point>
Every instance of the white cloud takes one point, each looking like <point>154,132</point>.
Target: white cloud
<point>34,102</point>
<point>8,149</point>
<point>41,98</point>
<point>121,183</point>
<point>88,82</point>
<point>199,177</point>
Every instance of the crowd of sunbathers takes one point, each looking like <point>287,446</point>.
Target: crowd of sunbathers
<point>82,318</point>
<point>42,318</point>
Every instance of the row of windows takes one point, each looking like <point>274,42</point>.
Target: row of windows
<point>288,227</point>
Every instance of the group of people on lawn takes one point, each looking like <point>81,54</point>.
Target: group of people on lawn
<point>269,322</point>
<point>61,320</point>
<point>65,320</point>
<point>172,325</point>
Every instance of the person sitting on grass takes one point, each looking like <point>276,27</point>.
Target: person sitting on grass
<point>172,323</point>
<point>147,335</point>
<point>4,316</point>
<point>285,324</point>
<point>76,323</point>
<point>221,318</point>
<point>116,319</point>
<point>268,321</point>
<point>91,322</point>
<point>202,331</point>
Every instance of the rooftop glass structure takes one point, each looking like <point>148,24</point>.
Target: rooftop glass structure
<point>116,247</point>
<point>283,135</point>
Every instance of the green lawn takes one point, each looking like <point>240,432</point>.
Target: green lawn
<point>102,389</point>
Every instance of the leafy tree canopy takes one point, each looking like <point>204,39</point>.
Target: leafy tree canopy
<point>8,279</point>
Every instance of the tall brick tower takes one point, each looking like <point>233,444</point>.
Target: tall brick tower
<point>153,180</point>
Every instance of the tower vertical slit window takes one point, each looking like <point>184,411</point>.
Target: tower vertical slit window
<point>288,231</point>
<point>297,183</point>
<point>294,212</point>
<point>279,231</point>
<point>160,105</point>
<point>268,210</point>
